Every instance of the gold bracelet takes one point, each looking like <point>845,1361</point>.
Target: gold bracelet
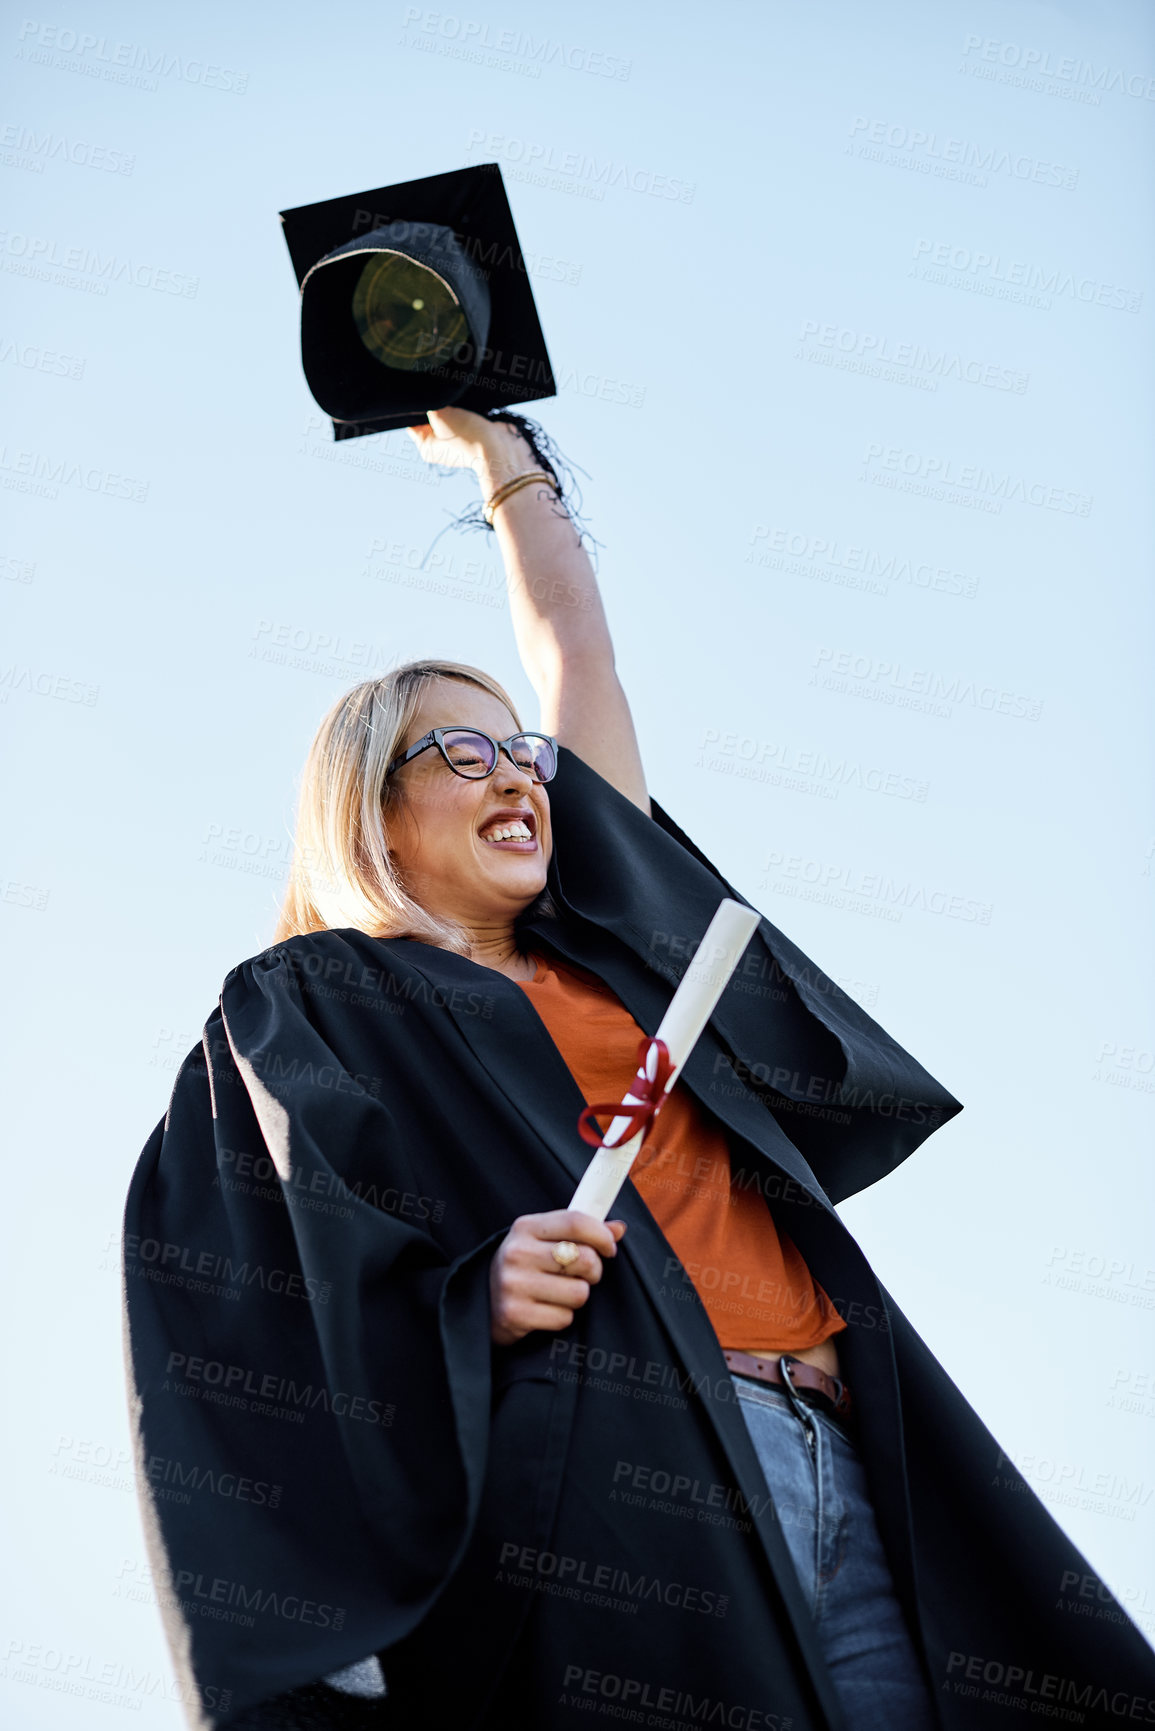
<point>523,480</point>
<point>519,481</point>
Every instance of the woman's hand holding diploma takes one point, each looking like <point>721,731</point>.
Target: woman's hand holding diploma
<point>527,1287</point>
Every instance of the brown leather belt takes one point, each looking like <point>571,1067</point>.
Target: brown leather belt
<point>828,1393</point>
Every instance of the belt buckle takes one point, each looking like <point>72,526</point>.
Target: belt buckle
<point>837,1406</point>
<point>795,1395</point>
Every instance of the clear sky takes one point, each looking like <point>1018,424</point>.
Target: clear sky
<point>850,309</point>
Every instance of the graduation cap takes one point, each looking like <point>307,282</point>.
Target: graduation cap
<point>416,297</point>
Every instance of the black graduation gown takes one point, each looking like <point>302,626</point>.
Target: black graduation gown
<point>333,1461</point>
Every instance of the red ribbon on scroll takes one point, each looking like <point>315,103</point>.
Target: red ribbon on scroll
<point>648,1094</point>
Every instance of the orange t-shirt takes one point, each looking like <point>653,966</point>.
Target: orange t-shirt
<point>757,1290</point>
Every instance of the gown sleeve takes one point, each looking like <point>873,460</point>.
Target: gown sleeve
<point>309,1373</point>
<point>850,1098</point>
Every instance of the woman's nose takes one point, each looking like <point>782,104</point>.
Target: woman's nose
<point>514,773</point>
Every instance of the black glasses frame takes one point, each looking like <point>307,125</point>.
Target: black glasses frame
<point>436,736</point>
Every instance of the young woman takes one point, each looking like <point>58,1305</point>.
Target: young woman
<point>417,1444</point>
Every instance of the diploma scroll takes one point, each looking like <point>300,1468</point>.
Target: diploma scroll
<point>687,1013</point>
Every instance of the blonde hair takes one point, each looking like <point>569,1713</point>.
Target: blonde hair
<point>341,873</point>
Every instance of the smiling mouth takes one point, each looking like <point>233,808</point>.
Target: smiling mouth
<point>515,843</point>
<point>513,829</point>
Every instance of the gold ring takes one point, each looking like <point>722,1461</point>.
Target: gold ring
<point>564,1253</point>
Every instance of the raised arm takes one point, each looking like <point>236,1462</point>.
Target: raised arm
<point>562,634</point>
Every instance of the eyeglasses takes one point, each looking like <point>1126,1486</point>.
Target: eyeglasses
<point>475,755</point>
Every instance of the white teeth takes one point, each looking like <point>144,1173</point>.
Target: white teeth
<point>508,831</point>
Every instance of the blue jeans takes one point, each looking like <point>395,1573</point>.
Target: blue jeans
<point>820,1495</point>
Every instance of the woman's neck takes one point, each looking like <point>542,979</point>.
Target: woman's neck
<point>502,952</point>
